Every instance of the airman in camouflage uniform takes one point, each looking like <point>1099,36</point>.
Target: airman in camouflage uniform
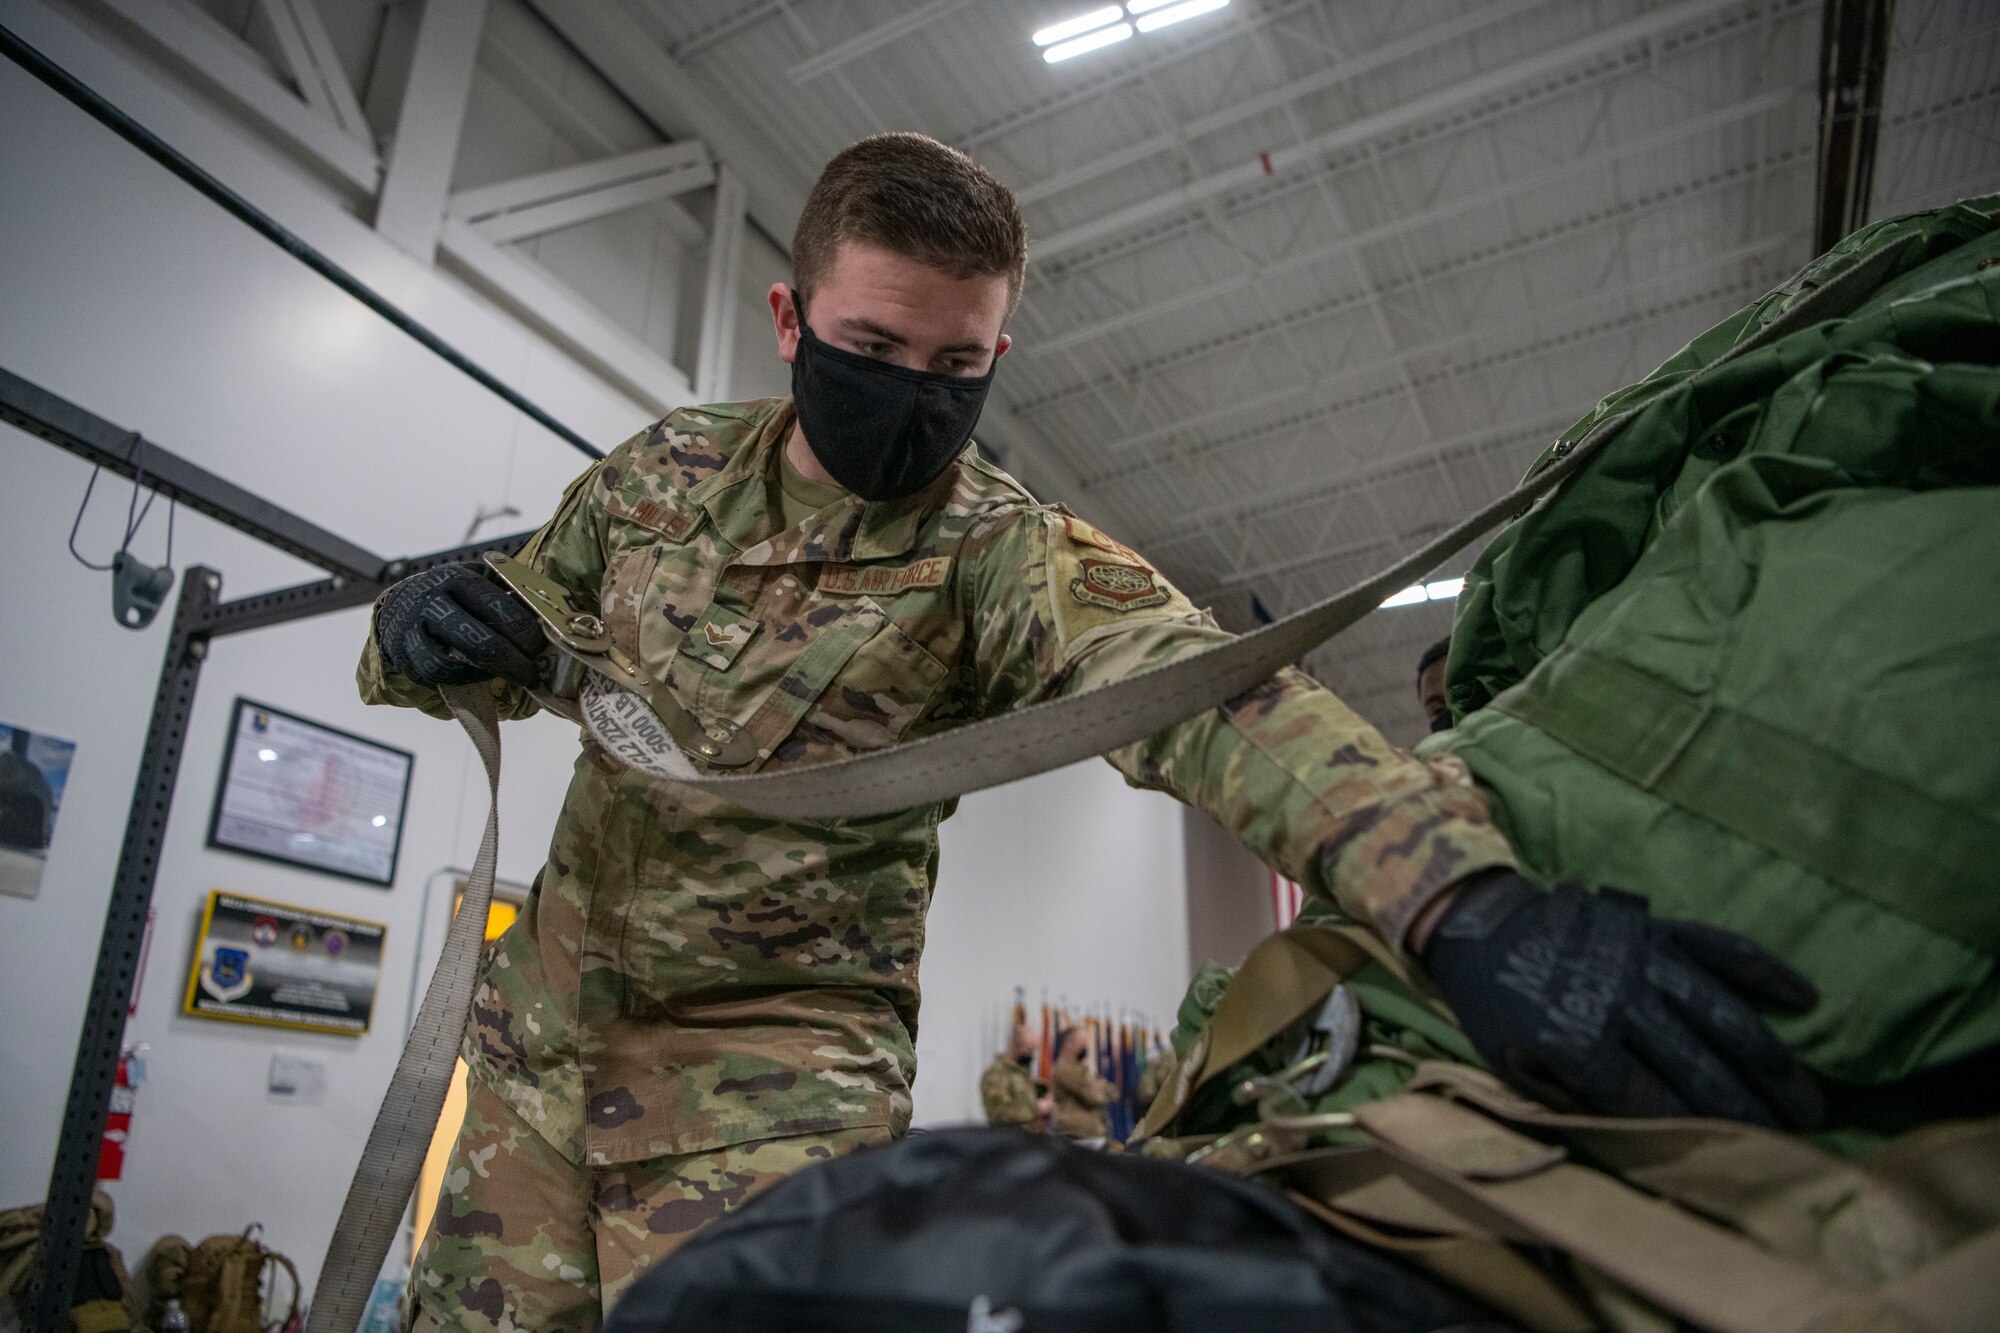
<point>1080,1093</point>
<point>696,998</point>
<point>1007,1092</point>
<point>687,977</point>
<point>1007,1089</point>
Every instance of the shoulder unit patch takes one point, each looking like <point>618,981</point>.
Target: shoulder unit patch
<point>1116,587</point>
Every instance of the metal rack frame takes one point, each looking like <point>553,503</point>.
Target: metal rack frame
<point>354,578</point>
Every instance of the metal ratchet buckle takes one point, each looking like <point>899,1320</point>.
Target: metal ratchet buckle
<point>587,662</point>
<point>1317,1050</point>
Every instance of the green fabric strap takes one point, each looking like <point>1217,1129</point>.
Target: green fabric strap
<point>1875,836</point>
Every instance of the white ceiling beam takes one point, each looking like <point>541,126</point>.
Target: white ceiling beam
<point>223,60</point>
<point>314,63</point>
<point>1435,347</point>
<point>682,102</point>
<point>1368,128</point>
<point>1401,541</point>
<point>1167,141</point>
<point>1244,576</point>
<point>715,349</point>
<point>726,27</point>
<point>522,223</point>
<point>550,200</point>
<point>1141,468</point>
<point>530,82</point>
<point>410,211</point>
<point>874,39</point>
<point>567,318</point>
<point>1194,525</point>
<point>1619,214</point>
<point>1479,201</point>
<point>1138,66</point>
<point>545,187</point>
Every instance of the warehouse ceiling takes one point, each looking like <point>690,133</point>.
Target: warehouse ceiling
<point>1309,280</point>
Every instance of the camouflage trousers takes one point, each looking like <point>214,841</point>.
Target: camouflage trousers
<point>525,1239</point>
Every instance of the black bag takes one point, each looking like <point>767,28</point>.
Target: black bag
<point>998,1231</point>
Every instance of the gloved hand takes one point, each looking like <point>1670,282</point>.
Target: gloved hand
<point>1585,1002</point>
<point>453,625</point>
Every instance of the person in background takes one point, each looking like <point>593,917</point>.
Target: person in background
<point>1007,1088</point>
<point>1430,685</point>
<point>1080,1095</point>
<point>1159,1071</point>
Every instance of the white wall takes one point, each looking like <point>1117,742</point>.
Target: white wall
<point>1071,881</point>
<point>140,300</point>
<point>132,295</point>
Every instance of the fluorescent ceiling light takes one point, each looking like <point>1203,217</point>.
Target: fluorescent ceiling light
<point>1117,32</point>
<point>1082,23</point>
<point>1160,18</point>
<point>1138,7</point>
<point>1442,590</point>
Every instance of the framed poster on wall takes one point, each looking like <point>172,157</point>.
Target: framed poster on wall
<point>257,961</point>
<point>310,795</point>
<point>34,770</point>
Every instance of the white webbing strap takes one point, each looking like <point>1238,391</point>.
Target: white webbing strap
<point>394,1155</point>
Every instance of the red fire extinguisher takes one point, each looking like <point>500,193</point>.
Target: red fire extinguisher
<point>118,1123</point>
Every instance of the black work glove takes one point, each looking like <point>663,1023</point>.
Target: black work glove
<point>453,625</point>
<point>1585,1002</point>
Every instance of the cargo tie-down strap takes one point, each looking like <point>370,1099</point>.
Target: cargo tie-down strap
<point>644,726</point>
<point>393,1157</point>
<point>1731,1227</point>
<point>641,724</point>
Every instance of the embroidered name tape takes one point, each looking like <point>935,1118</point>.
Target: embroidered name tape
<point>668,522</point>
<point>930,572</point>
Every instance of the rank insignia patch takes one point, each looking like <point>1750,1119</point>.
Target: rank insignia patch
<point>718,641</point>
<point>1086,534</point>
<point>1116,587</point>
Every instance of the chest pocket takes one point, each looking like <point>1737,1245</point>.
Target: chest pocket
<point>819,685</point>
<point>809,678</point>
<point>838,680</point>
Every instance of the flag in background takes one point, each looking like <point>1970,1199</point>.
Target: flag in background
<point>1046,1057</point>
<point>1118,1045</point>
<point>1287,897</point>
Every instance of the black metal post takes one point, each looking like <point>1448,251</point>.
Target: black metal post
<point>74,1176</point>
<point>1853,62</point>
<point>200,615</point>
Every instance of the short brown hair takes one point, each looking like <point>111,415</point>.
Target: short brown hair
<point>919,198</point>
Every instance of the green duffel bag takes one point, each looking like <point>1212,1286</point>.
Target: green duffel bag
<point>1747,662</point>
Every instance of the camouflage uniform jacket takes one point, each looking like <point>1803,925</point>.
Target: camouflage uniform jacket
<point>1007,1091</point>
<point>688,975</point>
<point>1080,1098</point>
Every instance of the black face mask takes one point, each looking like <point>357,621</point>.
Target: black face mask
<point>881,431</point>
